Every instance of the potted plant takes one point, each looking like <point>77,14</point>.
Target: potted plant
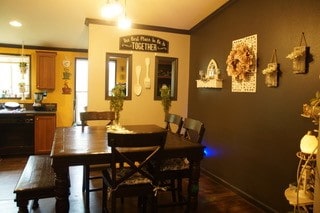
<point>312,110</point>
<point>298,57</point>
<point>23,67</point>
<point>165,98</point>
<point>66,89</point>
<point>66,74</point>
<point>22,88</point>
<point>116,101</point>
<point>271,73</point>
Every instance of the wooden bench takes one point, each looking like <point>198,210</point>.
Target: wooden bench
<point>36,182</point>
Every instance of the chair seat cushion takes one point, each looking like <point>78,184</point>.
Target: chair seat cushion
<point>137,178</point>
<point>175,164</point>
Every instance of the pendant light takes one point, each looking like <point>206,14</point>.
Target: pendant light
<point>112,9</point>
<point>124,22</point>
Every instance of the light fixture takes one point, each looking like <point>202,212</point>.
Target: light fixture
<point>15,23</point>
<point>124,22</point>
<point>309,143</point>
<point>112,9</point>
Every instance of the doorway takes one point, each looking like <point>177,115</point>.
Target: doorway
<point>81,88</point>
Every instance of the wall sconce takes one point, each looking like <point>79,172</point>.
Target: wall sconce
<point>210,79</point>
<point>271,72</point>
<point>299,57</point>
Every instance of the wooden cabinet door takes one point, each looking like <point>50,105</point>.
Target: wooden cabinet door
<point>46,66</point>
<point>45,126</point>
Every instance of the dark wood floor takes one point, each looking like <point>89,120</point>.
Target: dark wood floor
<point>213,197</point>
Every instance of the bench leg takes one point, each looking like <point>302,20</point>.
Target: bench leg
<point>23,206</point>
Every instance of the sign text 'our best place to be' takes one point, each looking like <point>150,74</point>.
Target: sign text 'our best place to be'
<point>144,43</point>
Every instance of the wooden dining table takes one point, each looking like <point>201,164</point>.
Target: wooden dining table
<point>72,146</point>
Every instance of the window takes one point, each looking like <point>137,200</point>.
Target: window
<point>118,72</point>
<point>81,88</point>
<point>112,76</point>
<point>15,76</point>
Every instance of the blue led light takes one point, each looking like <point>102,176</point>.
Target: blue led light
<point>209,152</point>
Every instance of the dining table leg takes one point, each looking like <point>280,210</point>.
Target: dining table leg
<point>62,184</point>
<point>193,188</point>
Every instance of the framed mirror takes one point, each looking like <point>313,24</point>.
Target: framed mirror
<point>166,72</point>
<point>15,72</point>
<point>118,71</point>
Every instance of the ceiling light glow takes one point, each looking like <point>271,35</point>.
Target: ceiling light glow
<point>111,10</point>
<point>124,23</point>
<point>15,23</point>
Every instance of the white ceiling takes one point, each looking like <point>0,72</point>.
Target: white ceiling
<point>61,23</point>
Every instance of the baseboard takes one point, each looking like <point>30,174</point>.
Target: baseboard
<point>239,192</point>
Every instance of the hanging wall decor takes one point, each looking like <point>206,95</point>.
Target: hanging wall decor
<point>299,57</point>
<point>23,66</point>
<point>241,64</point>
<point>210,79</point>
<point>145,43</point>
<point>66,77</point>
<point>271,72</point>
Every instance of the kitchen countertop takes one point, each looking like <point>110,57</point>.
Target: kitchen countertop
<point>23,112</point>
<point>28,109</point>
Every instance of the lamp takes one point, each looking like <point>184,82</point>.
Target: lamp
<point>112,9</point>
<point>309,143</point>
<point>301,196</point>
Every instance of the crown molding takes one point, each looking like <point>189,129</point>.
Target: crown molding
<point>137,26</point>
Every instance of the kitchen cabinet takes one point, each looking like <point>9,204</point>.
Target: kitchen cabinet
<point>16,133</point>
<point>44,128</point>
<point>46,65</point>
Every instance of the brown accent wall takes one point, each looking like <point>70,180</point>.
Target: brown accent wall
<point>252,138</point>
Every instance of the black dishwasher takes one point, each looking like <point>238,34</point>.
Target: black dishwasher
<point>16,134</point>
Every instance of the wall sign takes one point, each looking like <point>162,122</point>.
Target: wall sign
<point>143,43</point>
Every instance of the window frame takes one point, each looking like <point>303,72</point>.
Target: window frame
<point>23,78</point>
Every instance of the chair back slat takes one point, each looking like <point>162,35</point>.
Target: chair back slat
<point>130,148</point>
<point>95,116</point>
<point>194,130</point>
<point>173,119</point>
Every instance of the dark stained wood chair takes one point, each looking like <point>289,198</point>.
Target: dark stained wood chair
<point>173,123</point>
<point>174,169</point>
<point>135,151</point>
<point>107,116</point>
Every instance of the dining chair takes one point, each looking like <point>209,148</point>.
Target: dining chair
<point>107,116</point>
<point>135,151</point>
<point>173,123</point>
<point>174,169</point>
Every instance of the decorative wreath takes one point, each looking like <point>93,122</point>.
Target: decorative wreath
<point>240,62</point>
